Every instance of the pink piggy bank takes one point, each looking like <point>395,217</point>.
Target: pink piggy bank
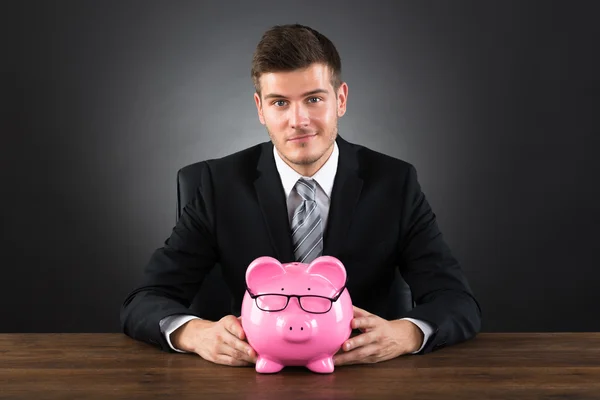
<point>296,314</point>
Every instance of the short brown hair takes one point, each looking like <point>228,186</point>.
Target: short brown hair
<point>291,47</point>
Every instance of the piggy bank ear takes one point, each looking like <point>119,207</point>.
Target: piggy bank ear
<point>262,270</point>
<point>330,268</point>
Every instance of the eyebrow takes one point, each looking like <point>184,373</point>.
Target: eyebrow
<point>279,96</point>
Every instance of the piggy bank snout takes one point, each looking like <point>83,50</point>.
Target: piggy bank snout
<point>297,330</point>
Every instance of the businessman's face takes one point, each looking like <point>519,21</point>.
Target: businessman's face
<point>300,110</point>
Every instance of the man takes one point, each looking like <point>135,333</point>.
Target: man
<point>305,193</point>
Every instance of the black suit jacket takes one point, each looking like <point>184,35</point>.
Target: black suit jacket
<point>379,220</point>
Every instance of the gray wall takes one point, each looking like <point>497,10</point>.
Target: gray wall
<point>494,102</point>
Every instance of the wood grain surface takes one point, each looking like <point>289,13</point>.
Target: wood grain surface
<point>113,366</point>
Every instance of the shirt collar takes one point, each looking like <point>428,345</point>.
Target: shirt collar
<point>324,176</point>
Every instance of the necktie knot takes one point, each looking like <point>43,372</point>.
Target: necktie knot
<point>306,189</point>
<point>307,232</point>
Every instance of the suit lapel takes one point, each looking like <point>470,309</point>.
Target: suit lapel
<point>271,199</point>
<point>346,191</point>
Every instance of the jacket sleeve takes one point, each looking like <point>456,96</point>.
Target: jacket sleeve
<point>440,290</point>
<point>175,271</point>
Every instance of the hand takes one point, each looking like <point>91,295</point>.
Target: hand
<point>221,342</point>
<point>380,339</point>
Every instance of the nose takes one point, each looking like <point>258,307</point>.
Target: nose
<point>299,116</point>
<point>297,330</point>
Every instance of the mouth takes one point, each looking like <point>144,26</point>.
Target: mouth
<point>301,138</point>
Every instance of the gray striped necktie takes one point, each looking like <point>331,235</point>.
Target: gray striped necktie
<point>307,228</point>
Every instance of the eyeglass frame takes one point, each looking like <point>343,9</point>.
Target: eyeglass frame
<point>298,297</point>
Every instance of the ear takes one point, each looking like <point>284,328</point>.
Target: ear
<point>262,270</point>
<point>330,268</point>
<point>342,99</point>
<point>258,102</point>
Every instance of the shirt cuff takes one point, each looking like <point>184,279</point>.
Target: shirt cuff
<point>171,323</point>
<point>426,328</point>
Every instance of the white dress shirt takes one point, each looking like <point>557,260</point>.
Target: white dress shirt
<point>324,178</point>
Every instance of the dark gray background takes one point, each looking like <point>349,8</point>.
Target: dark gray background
<point>495,103</point>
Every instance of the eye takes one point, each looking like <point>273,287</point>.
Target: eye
<point>308,288</point>
<point>281,288</point>
<point>314,99</point>
<point>279,103</point>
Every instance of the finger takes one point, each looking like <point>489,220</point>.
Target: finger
<point>361,355</point>
<point>238,348</point>
<point>359,312</point>
<point>368,322</point>
<point>235,353</point>
<point>233,326</point>
<point>359,341</point>
<point>225,359</point>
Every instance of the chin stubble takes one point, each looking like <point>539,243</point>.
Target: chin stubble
<point>307,161</point>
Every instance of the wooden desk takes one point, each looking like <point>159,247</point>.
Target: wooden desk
<point>110,366</point>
